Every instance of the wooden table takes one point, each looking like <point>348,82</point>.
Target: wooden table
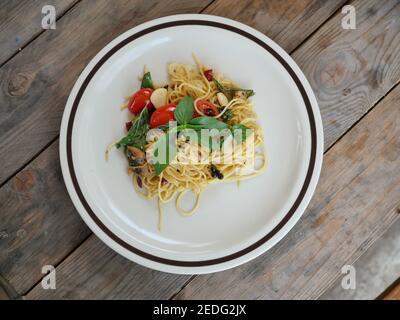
<point>354,74</point>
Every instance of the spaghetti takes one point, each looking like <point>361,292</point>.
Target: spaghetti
<point>193,165</point>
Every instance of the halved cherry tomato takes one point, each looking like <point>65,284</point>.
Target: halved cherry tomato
<point>162,115</point>
<point>167,108</point>
<point>207,108</point>
<point>140,100</point>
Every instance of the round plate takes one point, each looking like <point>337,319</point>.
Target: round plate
<point>234,223</point>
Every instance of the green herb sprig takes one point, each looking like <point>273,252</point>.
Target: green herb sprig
<point>136,135</point>
<point>147,81</point>
<point>230,92</point>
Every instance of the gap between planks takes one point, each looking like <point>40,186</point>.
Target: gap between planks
<point>57,264</point>
<point>34,38</point>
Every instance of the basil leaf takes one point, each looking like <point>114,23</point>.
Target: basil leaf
<point>147,82</point>
<point>184,110</point>
<point>230,92</point>
<point>206,123</point>
<point>164,144</point>
<point>245,133</point>
<point>137,133</point>
<point>160,168</point>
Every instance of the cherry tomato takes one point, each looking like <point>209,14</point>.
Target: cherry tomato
<point>140,100</point>
<point>208,74</point>
<point>167,108</point>
<point>162,115</point>
<point>207,108</point>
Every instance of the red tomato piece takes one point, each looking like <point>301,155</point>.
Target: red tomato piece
<point>167,108</point>
<point>140,100</point>
<point>207,108</point>
<point>162,115</point>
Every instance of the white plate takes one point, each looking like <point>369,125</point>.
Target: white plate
<point>234,224</point>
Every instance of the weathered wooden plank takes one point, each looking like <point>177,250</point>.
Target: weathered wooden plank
<point>20,22</point>
<point>376,269</point>
<point>86,255</point>
<point>111,276</point>
<point>357,199</point>
<point>36,83</point>
<point>287,22</point>
<point>38,223</point>
<point>36,216</point>
<point>350,70</point>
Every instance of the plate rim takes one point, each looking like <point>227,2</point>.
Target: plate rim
<point>202,266</point>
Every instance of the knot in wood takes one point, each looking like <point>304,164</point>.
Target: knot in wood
<point>19,84</point>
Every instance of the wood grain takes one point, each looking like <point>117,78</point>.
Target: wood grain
<point>357,199</point>
<point>38,223</point>
<point>21,21</point>
<point>103,252</point>
<point>255,275</point>
<point>350,70</point>
<point>36,83</point>
<point>36,216</point>
<point>376,269</point>
<point>112,277</point>
<point>286,22</point>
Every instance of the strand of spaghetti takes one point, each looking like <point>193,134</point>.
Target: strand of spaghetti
<point>200,68</point>
<point>139,190</point>
<point>160,214</point>
<point>108,149</point>
<point>187,213</point>
<point>228,106</point>
<point>189,86</point>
